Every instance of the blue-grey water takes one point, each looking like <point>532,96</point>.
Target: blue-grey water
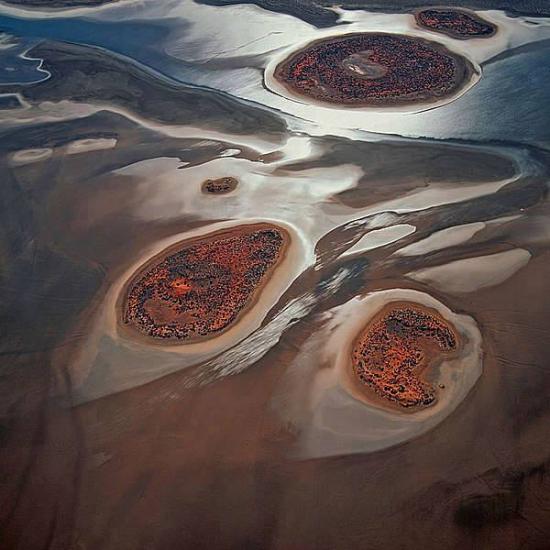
<point>262,437</point>
<point>509,103</point>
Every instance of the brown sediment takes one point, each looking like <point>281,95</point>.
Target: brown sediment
<point>220,186</point>
<point>455,23</point>
<point>198,288</point>
<point>392,356</point>
<point>374,69</point>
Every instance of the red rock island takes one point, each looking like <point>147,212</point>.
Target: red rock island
<point>199,288</point>
<point>454,23</point>
<point>392,355</point>
<point>220,186</point>
<point>374,69</point>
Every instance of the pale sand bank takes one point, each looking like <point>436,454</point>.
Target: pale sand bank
<point>29,156</point>
<point>445,238</point>
<point>471,274</point>
<point>380,237</point>
<point>87,145</point>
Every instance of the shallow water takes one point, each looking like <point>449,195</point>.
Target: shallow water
<point>120,114</point>
<point>212,47</point>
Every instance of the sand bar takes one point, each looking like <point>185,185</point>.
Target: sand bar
<point>471,274</point>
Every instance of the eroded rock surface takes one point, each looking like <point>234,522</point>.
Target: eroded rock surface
<point>392,354</point>
<point>201,288</point>
<point>373,69</point>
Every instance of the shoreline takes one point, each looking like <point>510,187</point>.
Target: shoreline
<point>323,14</point>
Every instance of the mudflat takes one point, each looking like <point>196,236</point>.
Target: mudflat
<point>116,439</point>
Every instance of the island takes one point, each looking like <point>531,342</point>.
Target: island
<point>455,23</point>
<point>199,288</point>
<point>220,186</point>
<point>394,354</point>
<point>373,70</point>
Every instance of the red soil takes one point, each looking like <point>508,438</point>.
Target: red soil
<point>220,186</point>
<point>373,69</point>
<point>457,24</point>
<point>200,289</point>
<point>396,347</point>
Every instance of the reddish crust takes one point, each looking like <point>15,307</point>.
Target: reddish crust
<point>201,288</point>
<point>395,348</point>
<point>455,23</point>
<point>220,186</point>
<point>374,69</point>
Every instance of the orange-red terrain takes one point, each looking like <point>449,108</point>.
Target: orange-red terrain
<point>220,186</point>
<point>373,69</point>
<point>199,290</point>
<point>455,23</point>
<point>395,349</point>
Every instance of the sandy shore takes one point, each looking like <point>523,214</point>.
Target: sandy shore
<point>322,13</point>
<point>470,274</point>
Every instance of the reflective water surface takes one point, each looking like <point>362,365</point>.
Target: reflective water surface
<point>111,120</point>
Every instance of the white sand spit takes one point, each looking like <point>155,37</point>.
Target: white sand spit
<point>473,273</point>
